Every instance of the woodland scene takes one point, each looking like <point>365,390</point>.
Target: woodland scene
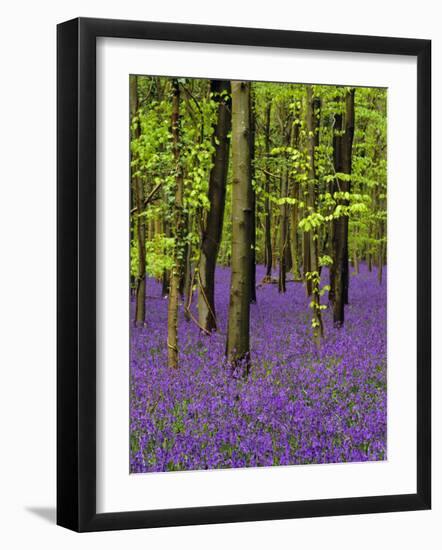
<point>258,269</point>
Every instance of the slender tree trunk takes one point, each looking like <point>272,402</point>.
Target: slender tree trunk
<point>140,304</point>
<point>177,229</point>
<point>238,348</point>
<point>295,234</point>
<point>253,215</point>
<point>165,279</point>
<point>306,262</point>
<point>187,279</point>
<point>356,260</point>
<point>295,209</point>
<point>275,233</point>
<point>212,232</point>
<point>313,106</point>
<point>336,278</point>
<point>133,277</point>
<point>283,231</point>
<point>369,255</point>
<point>348,150</point>
<point>186,253</point>
<point>288,246</point>
<point>150,230</point>
<point>268,214</point>
<point>304,194</point>
<point>380,254</point>
<point>342,145</point>
<point>284,247</point>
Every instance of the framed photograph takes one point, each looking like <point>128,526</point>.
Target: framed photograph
<point>243,274</point>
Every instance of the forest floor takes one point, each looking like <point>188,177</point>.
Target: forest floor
<point>299,405</point>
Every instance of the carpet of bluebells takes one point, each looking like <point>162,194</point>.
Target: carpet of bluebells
<point>299,405</point>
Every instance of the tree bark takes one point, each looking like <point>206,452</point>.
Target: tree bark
<point>177,231</point>
<point>284,248</point>
<point>380,254</point>
<point>283,230</point>
<point>187,278</point>
<point>313,107</point>
<point>253,214</point>
<point>212,232</point>
<point>165,279</point>
<point>294,214</point>
<point>140,302</point>
<point>348,149</point>
<point>356,256</point>
<point>238,347</point>
<point>306,261</point>
<point>268,214</point>
<point>288,246</point>
<point>342,145</point>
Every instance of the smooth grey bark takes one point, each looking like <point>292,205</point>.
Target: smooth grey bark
<point>238,345</point>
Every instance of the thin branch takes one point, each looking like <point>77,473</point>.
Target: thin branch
<point>150,197</point>
<point>267,172</point>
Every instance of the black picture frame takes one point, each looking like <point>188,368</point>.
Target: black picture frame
<point>76,274</point>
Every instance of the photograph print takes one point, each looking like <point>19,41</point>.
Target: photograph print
<point>258,274</point>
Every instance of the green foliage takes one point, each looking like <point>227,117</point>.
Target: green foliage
<point>360,196</point>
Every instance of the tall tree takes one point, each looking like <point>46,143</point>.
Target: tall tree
<point>305,192</point>
<point>253,214</point>
<point>313,116</point>
<point>267,207</point>
<point>177,231</point>
<point>284,246</point>
<point>342,146</point>
<point>238,346</point>
<point>348,148</point>
<point>296,196</point>
<point>283,229</point>
<point>187,272</point>
<point>212,231</point>
<point>140,302</point>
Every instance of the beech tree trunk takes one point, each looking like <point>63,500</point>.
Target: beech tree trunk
<point>295,234</point>
<point>275,224</point>
<point>348,150</point>
<point>238,348</point>
<point>211,237</point>
<point>284,243</point>
<point>283,231</point>
<point>177,231</point>
<point>294,214</point>
<point>166,274</point>
<point>253,215</point>
<point>140,303</point>
<point>306,237</point>
<point>187,278</point>
<point>288,247</point>
<point>313,107</point>
<point>268,213</point>
<point>342,146</point>
<point>306,262</point>
<point>380,254</point>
